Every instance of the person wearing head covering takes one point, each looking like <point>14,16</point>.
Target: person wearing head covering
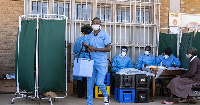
<point>85,30</point>
<point>145,59</point>
<point>98,44</point>
<point>167,59</point>
<point>182,85</point>
<point>121,61</point>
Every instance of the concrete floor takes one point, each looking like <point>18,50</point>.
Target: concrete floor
<point>5,99</point>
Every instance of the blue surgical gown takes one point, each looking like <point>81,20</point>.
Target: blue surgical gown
<point>168,62</point>
<point>76,50</point>
<point>144,59</point>
<point>119,63</point>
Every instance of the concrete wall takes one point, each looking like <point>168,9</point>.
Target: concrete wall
<point>10,11</point>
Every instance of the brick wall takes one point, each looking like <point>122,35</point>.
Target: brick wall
<point>10,11</point>
<point>190,6</point>
<point>164,15</point>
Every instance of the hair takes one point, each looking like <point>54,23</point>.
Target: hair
<point>124,47</point>
<point>168,51</point>
<point>96,18</point>
<point>148,47</point>
<point>86,29</point>
<point>192,51</point>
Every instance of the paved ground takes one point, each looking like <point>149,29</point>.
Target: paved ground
<point>5,99</point>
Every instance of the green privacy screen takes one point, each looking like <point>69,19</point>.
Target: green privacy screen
<point>186,42</point>
<point>167,40</point>
<point>196,43</point>
<point>51,55</point>
<point>26,55</point>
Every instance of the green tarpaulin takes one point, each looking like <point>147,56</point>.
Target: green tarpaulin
<point>51,55</point>
<point>196,42</point>
<point>26,55</point>
<point>167,40</point>
<point>186,42</point>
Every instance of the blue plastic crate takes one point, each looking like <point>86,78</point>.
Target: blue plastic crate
<point>106,80</point>
<point>124,95</point>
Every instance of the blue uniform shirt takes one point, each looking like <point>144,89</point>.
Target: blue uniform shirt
<point>77,48</point>
<point>144,59</point>
<point>168,62</point>
<point>119,62</point>
<point>99,41</point>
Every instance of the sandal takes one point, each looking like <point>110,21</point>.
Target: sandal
<point>183,101</point>
<point>165,102</point>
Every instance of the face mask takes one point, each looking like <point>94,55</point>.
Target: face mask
<point>166,56</point>
<point>95,27</point>
<point>188,56</point>
<point>146,53</point>
<point>123,54</point>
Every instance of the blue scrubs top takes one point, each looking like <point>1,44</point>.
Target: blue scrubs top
<point>144,59</point>
<point>168,62</point>
<point>119,63</point>
<point>77,48</point>
<point>99,41</point>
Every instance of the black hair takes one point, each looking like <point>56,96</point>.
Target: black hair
<point>86,30</point>
<point>96,18</point>
<point>168,51</point>
<point>124,47</point>
<point>148,47</point>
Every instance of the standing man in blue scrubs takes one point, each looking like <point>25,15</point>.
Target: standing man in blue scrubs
<point>167,59</point>
<point>145,59</point>
<point>98,44</point>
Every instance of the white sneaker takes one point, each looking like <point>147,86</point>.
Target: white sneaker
<point>106,100</point>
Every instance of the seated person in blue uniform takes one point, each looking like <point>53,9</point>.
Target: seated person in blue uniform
<point>81,81</point>
<point>121,61</point>
<point>167,59</point>
<point>145,59</point>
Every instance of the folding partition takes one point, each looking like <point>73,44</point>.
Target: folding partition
<point>167,40</point>
<point>25,59</point>
<point>40,57</point>
<point>51,55</point>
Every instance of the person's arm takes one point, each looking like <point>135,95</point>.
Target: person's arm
<point>130,64</point>
<point>106,49</point>
<point>177,62</point>
<point>114,64</point>
<point>158,61</point>
<point>191,71</point>
<point>138,64</point>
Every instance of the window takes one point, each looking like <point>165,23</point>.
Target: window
<point>123,14</point>
<point>39,7</point>
<point>61,9</point>
<point>83,11</point>
<point>104,12</point>
<point>142,18</point>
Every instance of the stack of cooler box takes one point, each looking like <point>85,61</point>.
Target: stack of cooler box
<point>124,88</point>
<point>98,93</point>
<point>142,88</point>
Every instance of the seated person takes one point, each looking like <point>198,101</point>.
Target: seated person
<point>167,59</point>
<point>181,85</point>
<point>121,61</point>
<point>145,59</point>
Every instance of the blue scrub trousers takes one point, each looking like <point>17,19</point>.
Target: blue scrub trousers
<point>98,74</point>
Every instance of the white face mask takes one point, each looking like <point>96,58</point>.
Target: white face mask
<point>146,53</point>
<point>188,56</point>
<point>166,56</point>
<point>123,54</point>
<point>95,27</point>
